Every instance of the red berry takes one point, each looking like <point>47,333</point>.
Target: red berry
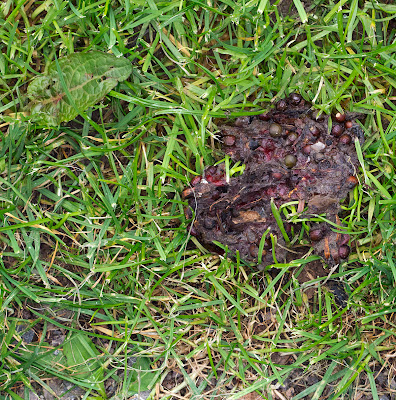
<point>344,251</point>
<point>348,124</point>
<point>340,117</point>
<point>315,131</point>
<point>345,139</point>
<point>337,130</point>
<point>352,181</point>
<point>295,98</point>
<point>315,234</point>
<point>282,105</point>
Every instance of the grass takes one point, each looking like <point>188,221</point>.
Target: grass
<point>95,247</point>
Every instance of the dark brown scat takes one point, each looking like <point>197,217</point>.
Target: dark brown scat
<point>320,179</point>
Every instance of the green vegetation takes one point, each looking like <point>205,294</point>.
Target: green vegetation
<point>95,246</point>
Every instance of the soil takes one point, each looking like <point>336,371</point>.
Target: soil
<point>291,155</point>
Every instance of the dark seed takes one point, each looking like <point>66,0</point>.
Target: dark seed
<point>344,251</point>
<point>315,131</point>
<point>277,175</point>
<point>209,223</point>
<point>345,139</point>
<point>264,117</point>
<point>275,130</point>
<point>229,140</point>
<point>352,181</point>
<point>282,105</point>
<point>306,149</point>
<point>253,144</point>
<point>348,124</point>
<point>290,161</point>
<point>315,234</point>
<point>340,117</point>
<point>295,98</point>
<point>329,142</point>
<point>337,130</point>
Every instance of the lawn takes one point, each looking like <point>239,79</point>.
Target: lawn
<point>105,293</point>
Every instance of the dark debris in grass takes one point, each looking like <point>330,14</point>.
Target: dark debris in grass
<point>93,236</point>
<point>293,157</point>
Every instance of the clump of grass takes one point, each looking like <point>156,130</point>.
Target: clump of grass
<point>93,236</point>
